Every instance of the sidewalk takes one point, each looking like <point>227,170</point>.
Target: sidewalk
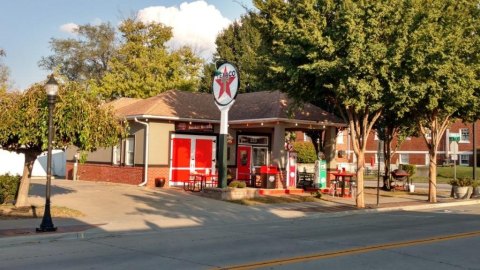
<point>115,208</point>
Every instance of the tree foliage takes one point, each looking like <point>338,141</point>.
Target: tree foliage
<point>4,73</point>
<point>79,120</point>
<point>144,67</point>
<point>371,57</point>
<point>441,66</point>
<point>241,45</point>
<point>334,52</point>
<point>85,57</point>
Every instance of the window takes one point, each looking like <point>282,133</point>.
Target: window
<point>464,135</point>
<point>404,159</point>
<point>129,151</point>
<point>252,140</point>
<point>260,156</point>
<point>340,137</point>
<point>464,160</point>
<point>116,155</point>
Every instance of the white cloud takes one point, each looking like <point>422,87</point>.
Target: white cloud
<point>195,24</point>
<point>69,28</point>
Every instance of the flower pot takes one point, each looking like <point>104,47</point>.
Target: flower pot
<point>476,192</point>
<point>411,188</point>
<point>160,182</point>
<point>460,192</point>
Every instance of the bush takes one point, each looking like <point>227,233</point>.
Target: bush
<point>8,187</point>
<point>305,152</point>
<point>410,169</point>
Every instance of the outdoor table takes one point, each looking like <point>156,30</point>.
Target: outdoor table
<point>198,181</point>
<point>343,177</point>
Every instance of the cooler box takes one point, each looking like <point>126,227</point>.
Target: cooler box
<point>269,175</point>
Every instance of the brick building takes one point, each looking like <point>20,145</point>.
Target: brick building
<point>413,150</point>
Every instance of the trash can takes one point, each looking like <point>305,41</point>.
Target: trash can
<point>269,175</point>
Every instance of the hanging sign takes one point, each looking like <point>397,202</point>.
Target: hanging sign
<point>225,84</point>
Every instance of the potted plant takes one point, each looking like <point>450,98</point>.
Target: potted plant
<point>461,187</point>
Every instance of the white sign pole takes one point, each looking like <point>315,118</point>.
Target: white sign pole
<point>225,86</point>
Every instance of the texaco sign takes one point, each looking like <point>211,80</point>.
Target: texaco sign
<point>225,84</point>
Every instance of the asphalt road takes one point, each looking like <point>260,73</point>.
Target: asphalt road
<point>430,239</point>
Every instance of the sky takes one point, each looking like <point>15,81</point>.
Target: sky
<point>27,26</point>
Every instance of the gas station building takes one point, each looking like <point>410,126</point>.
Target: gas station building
<point>176,133</point>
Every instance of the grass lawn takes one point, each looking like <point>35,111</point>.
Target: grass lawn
<point>8,211</point>
<point>444,174</point>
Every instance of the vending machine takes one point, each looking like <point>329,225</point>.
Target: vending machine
<point>320,172</point>
<point>292,169</point>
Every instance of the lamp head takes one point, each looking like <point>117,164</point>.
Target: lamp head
<point>51,87</point>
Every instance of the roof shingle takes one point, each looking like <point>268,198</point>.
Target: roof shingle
<point>201,106</point>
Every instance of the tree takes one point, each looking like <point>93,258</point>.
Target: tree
<point>79,120</point>
<point>339,52</point>
<point>4,74</point>
<point>441,65</point>
<point>393,127</point>
<point>144,67</point>
<point>84,58</point>
<point>241,45</point>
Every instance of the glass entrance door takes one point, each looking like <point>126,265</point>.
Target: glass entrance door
<point>259,156</point>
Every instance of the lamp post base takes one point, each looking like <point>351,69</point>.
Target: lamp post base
<point>47,223</point>
<point>46,229</point>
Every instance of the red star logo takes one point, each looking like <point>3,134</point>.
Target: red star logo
<point>224,81</point>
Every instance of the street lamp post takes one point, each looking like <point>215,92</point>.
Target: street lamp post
<point>51,87</point>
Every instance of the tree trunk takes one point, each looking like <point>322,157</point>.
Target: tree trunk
<point>360,199</point>
<point>432,176</point>
<point>22,194</point>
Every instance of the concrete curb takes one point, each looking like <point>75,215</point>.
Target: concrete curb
<point>424,206</point>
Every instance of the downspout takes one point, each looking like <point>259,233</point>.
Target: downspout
<point>145,169</point>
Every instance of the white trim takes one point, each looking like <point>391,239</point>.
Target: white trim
<point>407,152</point>
<point>174,118</point>
<point>286,120</point>
<point>246,121</point>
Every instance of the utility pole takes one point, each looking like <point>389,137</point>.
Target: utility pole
<point>474,151</point>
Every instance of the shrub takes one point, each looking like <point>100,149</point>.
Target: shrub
<point>475,183</point>
<point>237,184</point>
<point>461,182</point>
<point>234,184</point>
<point>305,152</point>
<point>8,187</point>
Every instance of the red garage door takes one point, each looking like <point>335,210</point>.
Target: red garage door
<point>191,153</point>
